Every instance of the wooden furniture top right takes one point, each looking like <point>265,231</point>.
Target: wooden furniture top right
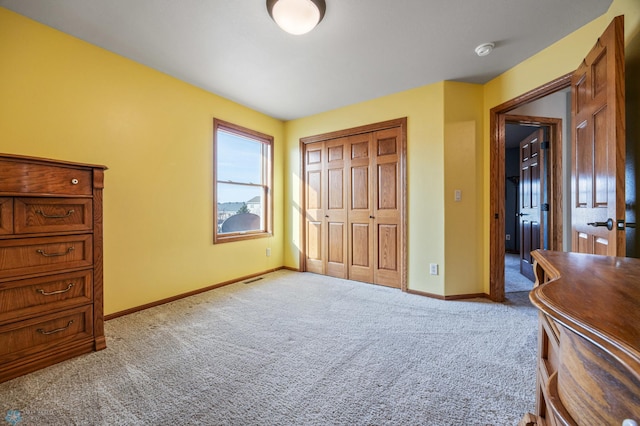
<point>589,357</point>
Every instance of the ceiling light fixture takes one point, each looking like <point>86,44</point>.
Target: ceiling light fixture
<point>296,16</point>
<point>485,49</point>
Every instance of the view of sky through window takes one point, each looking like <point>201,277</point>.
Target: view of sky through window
<point>239,160</point>
<point>242,174</point>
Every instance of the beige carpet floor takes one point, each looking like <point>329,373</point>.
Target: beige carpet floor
<point>296,349</point>
<point>514,281</point>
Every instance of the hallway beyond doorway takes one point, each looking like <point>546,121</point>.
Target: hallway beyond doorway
<point>514,281</point>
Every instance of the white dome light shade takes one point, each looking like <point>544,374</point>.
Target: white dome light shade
<point>296,16</point>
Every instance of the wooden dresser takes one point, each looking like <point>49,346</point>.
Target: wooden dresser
<point>50,262</point>
<point>589,338</point>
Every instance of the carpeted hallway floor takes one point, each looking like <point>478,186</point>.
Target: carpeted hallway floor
<point>514,281</point>
<point>296,349</point>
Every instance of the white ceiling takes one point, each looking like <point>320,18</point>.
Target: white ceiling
<point>362,49</point>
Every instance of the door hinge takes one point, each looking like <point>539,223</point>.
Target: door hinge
<point>495,216</point>
<point>545,145</point>
<point>545,207</point>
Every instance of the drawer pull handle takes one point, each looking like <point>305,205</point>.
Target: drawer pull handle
<point>45,254</point>
<point>44,293</point>
<point>57,330</point>
<point>55,216</point>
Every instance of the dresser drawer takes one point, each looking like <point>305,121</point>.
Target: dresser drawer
<point>36,255</point>
<point>33,215</point>
<point>6,216</point>
<point>28,298</point>
<point>24,338</point>
<point>593,385</point>
<point>24,178</point>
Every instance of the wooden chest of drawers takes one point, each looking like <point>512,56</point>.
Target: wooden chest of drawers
<point>589,338</point>
<point>51,305</point>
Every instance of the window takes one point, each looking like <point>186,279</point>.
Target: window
<point>242,183</point>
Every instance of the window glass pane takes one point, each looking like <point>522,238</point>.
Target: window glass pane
<point>238,159</point>
<point>240,208</point>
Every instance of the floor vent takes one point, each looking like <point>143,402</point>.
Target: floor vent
<point>252,281</point>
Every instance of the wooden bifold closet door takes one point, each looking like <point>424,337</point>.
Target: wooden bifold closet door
<point>354,206</point>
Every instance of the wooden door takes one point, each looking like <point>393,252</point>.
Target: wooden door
<point>598,147</point>
<point>375,210</point>
<point>387,207</point>
<point>360,215</point>
<point>354,203</point>
<point>531,197</point>
<point>335,213</point>
<point>314,223</point>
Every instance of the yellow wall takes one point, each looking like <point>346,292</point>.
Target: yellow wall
<point>423,108</point>
<point>444,131</point>
<point>444,135</point>
<point>463,171</point>
<point>66,99</point>
<point>63,98</point>
<point>558,59</point>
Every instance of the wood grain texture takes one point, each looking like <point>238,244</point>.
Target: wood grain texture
<point>532,174</point>
<point>51,285</point>
<point>313,208</point>
<point>26,298</point>
<point>6,216</point>
<point>34,215</point>
<point>497,136</point>
<point>590,302</point>
<point>28,337</point>
<point>335,212</point>
<point>32,179</point>
<point>98,248</point>
<point>357,177</point>
<point>554,175</point>
<point>598,145</point>
<point>265,185</point>
<point>26,257</point>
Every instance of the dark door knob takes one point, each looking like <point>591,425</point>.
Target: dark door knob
<point>608,224</point>
<point>521,214</point>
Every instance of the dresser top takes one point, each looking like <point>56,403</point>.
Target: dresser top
<point>597,297</point>
<point>47,161</point>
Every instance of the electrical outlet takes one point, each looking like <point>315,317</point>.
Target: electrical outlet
<point>433,269</point>
<point>268,251</point>
<point>457,195</point>
<point>508,237</point>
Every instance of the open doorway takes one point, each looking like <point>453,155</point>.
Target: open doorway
<point>533,207</point>
<point>527,109</point>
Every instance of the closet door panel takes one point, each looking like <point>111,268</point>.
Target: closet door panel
<point>360,268</point>
<point>314,208</point>
<point>360,210</point>
<point>387,187</point>
<point>335,214</point>
<point>387,207</point>
<point>360,188</point>
<point>355,192</point>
